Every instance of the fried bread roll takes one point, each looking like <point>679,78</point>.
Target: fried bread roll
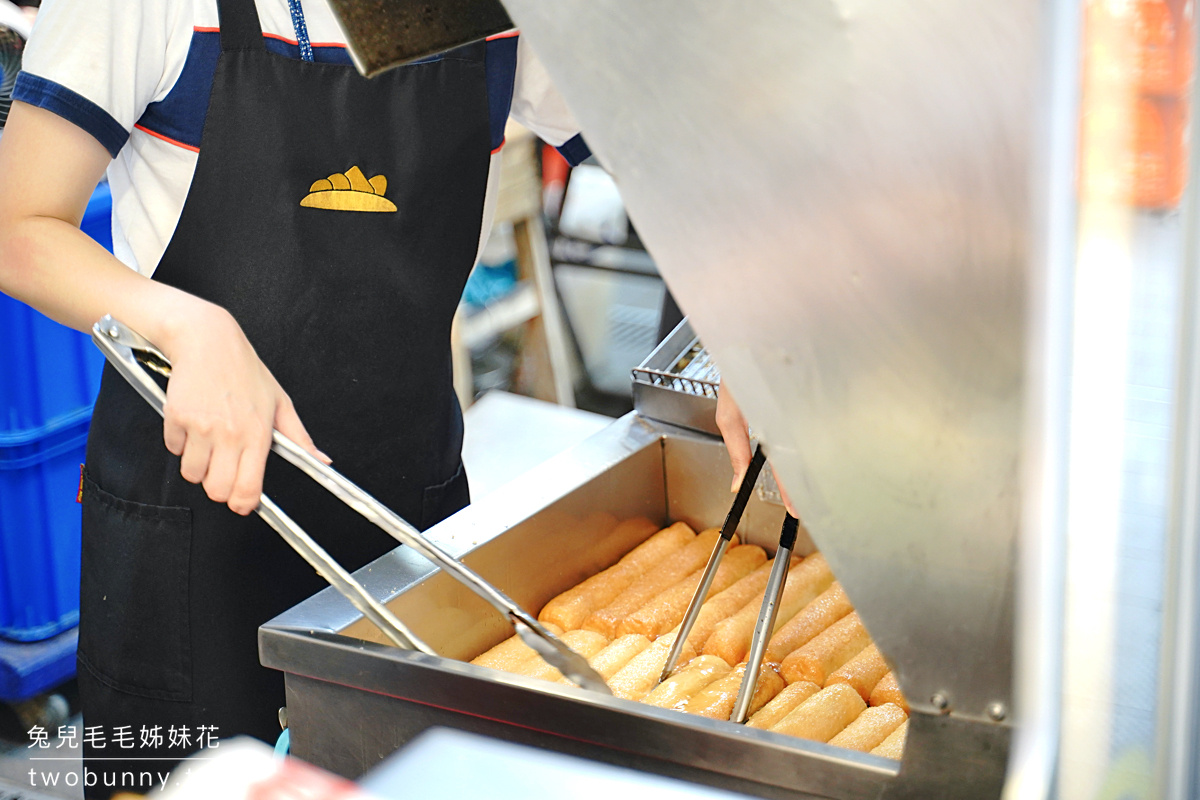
<point>586,643</point>
<point>676,690</point>
<point>829,650</point>
<point>731,639</point>
<point>888,691</point>
<point>635,680</point>
<point>862,672</point>
<point>824,610</point>
<point>509,654</point>
<point>824,715</point>
<point>727,603</point>
<point>667,573</point>
<point>782,704</point>
<point>893,745</point>
<point>569,609</point>
<point>666,610</point>
<point>716,700</point>
<point>619,653</point>
<point>870,728</point>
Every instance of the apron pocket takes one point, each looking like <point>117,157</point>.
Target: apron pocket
<point>443,499</point>
<point>133,595</point>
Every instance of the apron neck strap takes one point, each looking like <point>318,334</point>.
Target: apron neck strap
<point>240,29</point>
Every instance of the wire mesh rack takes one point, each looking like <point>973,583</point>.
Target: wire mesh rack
<point>679,382</point>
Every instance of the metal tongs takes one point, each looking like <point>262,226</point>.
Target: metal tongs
<point>126,350</point>
<point>732,519</point>
<point>766,617</point>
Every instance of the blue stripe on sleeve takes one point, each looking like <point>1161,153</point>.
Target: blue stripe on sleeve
<point>575,150</point>
<point>74,108</point>
<point>500,61</point>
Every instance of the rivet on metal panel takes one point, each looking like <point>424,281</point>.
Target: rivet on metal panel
<point>997,711</point>
<point>940,702</point>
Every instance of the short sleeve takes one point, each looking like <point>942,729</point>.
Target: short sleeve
<point>99,63</point>
<point>538,106</point>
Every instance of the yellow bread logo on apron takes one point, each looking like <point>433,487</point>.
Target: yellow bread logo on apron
<point>349,191</point>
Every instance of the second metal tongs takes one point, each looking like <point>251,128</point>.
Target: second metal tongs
<point>732,520</point>
<point>767,613</point>
<point>127,351</point>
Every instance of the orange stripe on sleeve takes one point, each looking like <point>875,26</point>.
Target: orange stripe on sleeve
<point>167,139</point>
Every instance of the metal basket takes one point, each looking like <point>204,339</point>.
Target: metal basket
<point>678,383</point>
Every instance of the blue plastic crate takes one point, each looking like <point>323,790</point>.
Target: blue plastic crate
<point>39,533</point>
<point>28,669</point>
<point>49,377</point>
<point>49,374</point>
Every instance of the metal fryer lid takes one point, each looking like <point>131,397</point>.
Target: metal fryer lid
<point>837,194</point>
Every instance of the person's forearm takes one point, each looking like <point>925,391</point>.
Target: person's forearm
<point>56,268</point>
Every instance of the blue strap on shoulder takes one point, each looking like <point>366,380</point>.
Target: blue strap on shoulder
<point>301,29</point>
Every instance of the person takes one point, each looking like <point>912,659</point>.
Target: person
<point>295,238</point>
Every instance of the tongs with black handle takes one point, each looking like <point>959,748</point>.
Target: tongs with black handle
<point>767,613</point>
<point>127,351</point>
<point>732,520</point>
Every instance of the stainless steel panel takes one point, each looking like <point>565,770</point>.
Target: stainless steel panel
<point>837,194</point>
<point>1179,719</point>
<point>1038,679</point>
<point>352,699</point>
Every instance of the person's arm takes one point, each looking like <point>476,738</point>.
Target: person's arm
<point>221,400</point>
<point>736,433</point>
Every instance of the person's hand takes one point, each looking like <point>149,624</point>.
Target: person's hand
<point>222,403</point>
<point>736,433</point>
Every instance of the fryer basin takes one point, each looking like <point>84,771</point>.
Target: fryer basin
<point>352,699</point>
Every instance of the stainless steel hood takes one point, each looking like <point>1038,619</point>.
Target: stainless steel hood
<point>837,193</point>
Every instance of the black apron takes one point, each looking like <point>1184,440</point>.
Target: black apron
<point>346,285</point>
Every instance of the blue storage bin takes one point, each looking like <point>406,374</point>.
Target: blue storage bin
<point>49,377</point>
<point>39,533</point>
<point>97,218</point>
<point>49,374</point>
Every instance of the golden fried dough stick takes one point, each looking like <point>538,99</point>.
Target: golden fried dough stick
<point>862,672</point>
<point>667,573</point>
<point>716,700</point>
<point>893,745</point>
<point>731,639</point>
<point>824,715</point>
<point>635,680</point>
<point>824,610</point>
<point>618,653</point>
<point>676,690</point>
<point>586,643</point>
<point>509,654</point>
<point>569,609</point>
<point>782,704</point>
<point>666,609</point>
<point>888,691</point>
<point>871,728</point>
<point>839,643</point>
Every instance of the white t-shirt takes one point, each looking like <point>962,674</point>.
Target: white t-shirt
<point>137,76</point>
